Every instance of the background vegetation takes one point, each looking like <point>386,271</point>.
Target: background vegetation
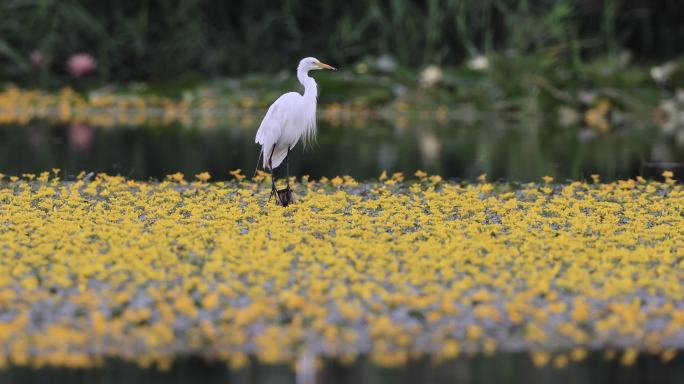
<point>161,40</point>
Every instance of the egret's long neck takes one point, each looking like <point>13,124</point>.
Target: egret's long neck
<point>310,87</point>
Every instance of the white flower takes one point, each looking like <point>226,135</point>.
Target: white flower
<point>663,72</point>
<point>479,63</point>
<point>386,63</point>
<point>674,116</point>
<point>679,95</point>
<point>568,116</point>
<point>431,75</point>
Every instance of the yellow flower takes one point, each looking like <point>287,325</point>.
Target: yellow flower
<point>383,176</point>
<point>474,332</point>
<point>203,176</point>
<point>540,359</point>
<point>561,361</point>
<point>597,117</point>
<point>668,355</point>
<point>398,177</point>
<point>336,181</point>
<point>161,268</point>
<point>629,356</point>
<point>237,174</point>
<point>211,300</point>
<point>489,346</point>
<point>578,354</point>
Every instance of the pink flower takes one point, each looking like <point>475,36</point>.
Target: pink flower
<point>81,64</point>
<point>80,136</point>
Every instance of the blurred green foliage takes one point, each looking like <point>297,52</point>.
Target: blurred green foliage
<point>162,40</point>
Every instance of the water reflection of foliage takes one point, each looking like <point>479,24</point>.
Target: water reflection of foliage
<point>503,149</point>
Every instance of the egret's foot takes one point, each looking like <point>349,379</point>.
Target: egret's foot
<point>284,197</point>
<point>274,192</point>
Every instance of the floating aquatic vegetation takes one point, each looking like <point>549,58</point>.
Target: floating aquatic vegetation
<point>107,267</point>
<point>202,108</point>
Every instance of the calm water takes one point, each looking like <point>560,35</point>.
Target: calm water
<point>512,368</point>
<point>506,150</point>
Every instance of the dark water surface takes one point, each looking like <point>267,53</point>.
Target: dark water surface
<point>498,369</point>
<point>507,150</point>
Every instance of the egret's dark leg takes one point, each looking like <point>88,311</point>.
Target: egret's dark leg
<point>287,167</point>
<point>284,196</point>
<point>273,186</point>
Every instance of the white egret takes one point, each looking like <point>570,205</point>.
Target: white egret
<point>290,117</point>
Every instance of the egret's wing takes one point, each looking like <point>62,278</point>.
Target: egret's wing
<point>269,130</point>
<point>271,126</point>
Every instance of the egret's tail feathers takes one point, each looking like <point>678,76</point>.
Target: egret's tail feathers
<point>273,154</point>
<point>277,157</point>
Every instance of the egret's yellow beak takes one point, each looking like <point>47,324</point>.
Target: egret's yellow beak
<point>325,66</point>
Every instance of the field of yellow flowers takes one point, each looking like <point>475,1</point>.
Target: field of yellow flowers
<point>394,269</point>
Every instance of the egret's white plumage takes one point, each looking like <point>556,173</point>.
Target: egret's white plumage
<point>290,117</point>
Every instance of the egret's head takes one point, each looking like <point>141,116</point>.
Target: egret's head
<point>312,63</point>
